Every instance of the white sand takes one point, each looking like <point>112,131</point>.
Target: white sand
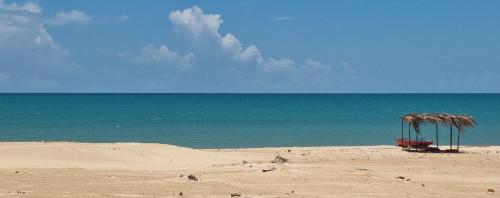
<point>64,169</point>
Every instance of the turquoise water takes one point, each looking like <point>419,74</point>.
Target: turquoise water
<point>237,120</point>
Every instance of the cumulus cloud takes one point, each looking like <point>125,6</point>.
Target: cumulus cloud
<point>221,62</point>
<point>284,64</point>
<point>161,54</point>
<point>73,16</point>
<point>232,46</point>
<point>30,7</point>
<point>204,28</point>
<point>315,66</point>
<point>195,22</point>
<point>24,35</point>
<point>27,50</point>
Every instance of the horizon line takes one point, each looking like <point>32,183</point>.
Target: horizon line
<point>319,93</point>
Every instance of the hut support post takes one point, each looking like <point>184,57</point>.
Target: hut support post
<point>458,140</point>
<point>451,136</point>
<point>437,136</point>
<point>402,132</point>
<point>409,124</point>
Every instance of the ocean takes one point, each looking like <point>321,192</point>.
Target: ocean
<point>239,120</point>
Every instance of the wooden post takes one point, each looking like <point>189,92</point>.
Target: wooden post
<point>458,140</point>
<point>409,136</point>
<point>402,132</point>
<point>437,136</point>
<point>416,136</point>
<point>451,136</point>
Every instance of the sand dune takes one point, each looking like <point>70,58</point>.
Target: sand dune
<point>117,156</point>
<point>64,169</point>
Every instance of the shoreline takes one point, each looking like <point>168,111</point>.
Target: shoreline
<point>264,147</point>
<point>62,169</point>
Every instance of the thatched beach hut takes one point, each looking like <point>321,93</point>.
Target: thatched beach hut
<point>453,121</point>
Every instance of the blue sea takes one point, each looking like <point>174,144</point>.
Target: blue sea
<point>238,120</point>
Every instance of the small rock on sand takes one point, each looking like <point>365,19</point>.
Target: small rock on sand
<point>400,177</point>
<point>192,177</point>
<point>491,190</point>
<point>235,195</point>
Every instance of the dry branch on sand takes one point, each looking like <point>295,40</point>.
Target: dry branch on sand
<point>279,159</point>
<point>270,169</point>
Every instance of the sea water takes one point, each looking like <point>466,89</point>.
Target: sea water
<point>239,120</point>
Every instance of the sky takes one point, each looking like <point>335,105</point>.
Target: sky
<point>229,46</point>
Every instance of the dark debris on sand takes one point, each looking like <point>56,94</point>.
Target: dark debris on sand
<point>279,159</point>
<point>192,177</point>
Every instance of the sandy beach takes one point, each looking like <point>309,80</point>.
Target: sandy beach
<point>62,169</point>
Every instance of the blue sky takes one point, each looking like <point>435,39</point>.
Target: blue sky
<point>249,46</point>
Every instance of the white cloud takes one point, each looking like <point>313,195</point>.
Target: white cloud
<point>195,22</point>
<point>223,62</point>
<point>74,16</point>
<point>27,50</point>
<point>204,28</point>
<point>231,43</point>
<point>251,53</point>
<point>282,18</point>
<point>45,40</point>
<point>152,54</point>
<point>30,7</point>
<point>274,65</point>
<point>349,70</point>
<point>19,31</point>
<point>103,20</point>
<point>315,66</point>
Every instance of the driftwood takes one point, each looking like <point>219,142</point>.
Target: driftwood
<point>270,169</point>
<point>279,159</point>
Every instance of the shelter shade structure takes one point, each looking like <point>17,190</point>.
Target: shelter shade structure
<point>460,122</point>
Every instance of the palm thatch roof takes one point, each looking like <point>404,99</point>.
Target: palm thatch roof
<point>459,121</point>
